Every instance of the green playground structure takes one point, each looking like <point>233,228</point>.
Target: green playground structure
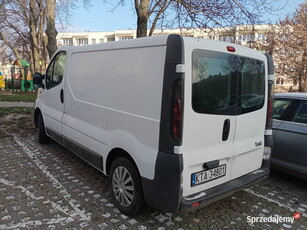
<point>20,79</point>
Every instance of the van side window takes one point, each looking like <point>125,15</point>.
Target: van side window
<point>301,115</point>
<point>55,71</point>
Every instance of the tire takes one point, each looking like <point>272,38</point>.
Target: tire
<point>42,136</point>
<point>128,197</point>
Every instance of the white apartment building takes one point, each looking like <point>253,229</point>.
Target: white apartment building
<point>252,36</point>
<point>245,35</point>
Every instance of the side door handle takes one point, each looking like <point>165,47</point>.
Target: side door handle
<point>62,96</point>
<point>226,130</point>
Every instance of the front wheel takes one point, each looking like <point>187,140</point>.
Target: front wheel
<point>125,186</point>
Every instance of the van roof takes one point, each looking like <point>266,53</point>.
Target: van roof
<point>131,43</point>
<point>156,41</point>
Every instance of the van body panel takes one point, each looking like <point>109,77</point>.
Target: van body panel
<point>107,112</point>
<point>249,143</point>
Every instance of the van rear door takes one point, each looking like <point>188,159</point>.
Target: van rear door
<point>251,114</point>
<point>209,121</point>
<point>227,94</point>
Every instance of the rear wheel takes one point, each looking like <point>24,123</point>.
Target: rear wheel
<point>125,186</point>
<point>42,136</point>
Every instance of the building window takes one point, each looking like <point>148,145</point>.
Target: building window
<point>93,40</point>
<point>226,38</point>
<point>212,37</point>
<point>279,81</point>
<point>240,37</point>
<point>111,39</point>
<point>125,38</point>
<point>261,37</point>
<point>281,68</point>
<point>251,37</point>
<point>68,42</point>
<point>101,40</point>
<point>246,37</point>
<point>83,41</point>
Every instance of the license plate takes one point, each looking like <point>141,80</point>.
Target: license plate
<point>208,175</point>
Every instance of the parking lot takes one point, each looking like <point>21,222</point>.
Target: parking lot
<point>48,187</point>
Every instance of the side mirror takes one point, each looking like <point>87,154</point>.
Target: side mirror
<point>38,80</point>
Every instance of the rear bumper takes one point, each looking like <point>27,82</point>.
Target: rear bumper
<point>164,192</point>
<point>209,196</point>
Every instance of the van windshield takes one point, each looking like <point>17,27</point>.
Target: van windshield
<point>226,84</point>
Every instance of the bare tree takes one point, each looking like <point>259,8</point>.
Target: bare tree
<point>36,25</point>
<point>197,13</point>
<point>9,28</point>
<point>23,24</point>
<point>290,48</point>
<point>21,29</point>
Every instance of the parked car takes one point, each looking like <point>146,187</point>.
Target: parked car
<point>290,133</point>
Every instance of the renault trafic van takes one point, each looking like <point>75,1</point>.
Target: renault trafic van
<point>175,122</point>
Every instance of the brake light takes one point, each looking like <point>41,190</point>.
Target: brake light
<point>177,119</point>
<point>177,111</point>
<point>231,49</point>
<point>270,109</point>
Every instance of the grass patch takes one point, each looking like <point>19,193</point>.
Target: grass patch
<point>16,120</point>
<point>5,111</point>
<point>18,97</point>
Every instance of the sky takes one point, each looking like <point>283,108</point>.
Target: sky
<point>103,17</point>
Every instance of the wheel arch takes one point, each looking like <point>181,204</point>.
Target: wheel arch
<point>36,116</point>
<point>116,153</point>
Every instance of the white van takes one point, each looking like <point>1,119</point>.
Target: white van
<point>175,122</point>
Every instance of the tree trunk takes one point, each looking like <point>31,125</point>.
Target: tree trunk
<point>141,27</point>
<point>33,38</point>
<point>142,17</point>
<point>51,31</point>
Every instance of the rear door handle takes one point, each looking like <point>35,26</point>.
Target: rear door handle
<point>62,96</point>
<point>226,129</point>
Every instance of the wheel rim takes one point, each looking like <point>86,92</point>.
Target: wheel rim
<point>123,187</point>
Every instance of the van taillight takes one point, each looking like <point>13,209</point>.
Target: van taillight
<point>177,111</point>
<point>270,109</point>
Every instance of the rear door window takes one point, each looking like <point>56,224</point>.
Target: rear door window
<point>226,84</point>
<point>251,85</point>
